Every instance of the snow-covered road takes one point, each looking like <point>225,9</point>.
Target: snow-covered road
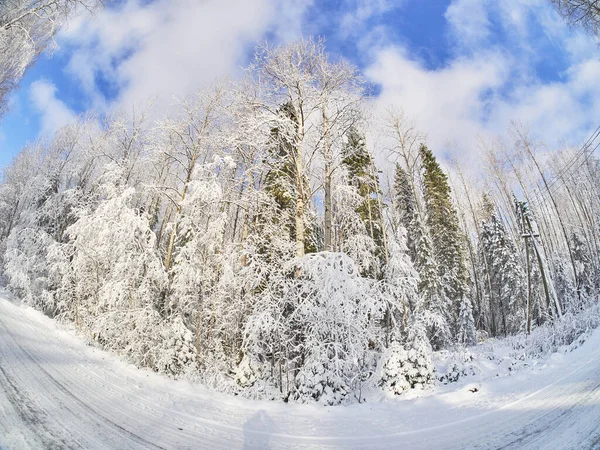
<point>58,393</point>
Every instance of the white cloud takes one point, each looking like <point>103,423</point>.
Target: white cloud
<point>448,104</point>
<point>53,112</point>
<point>360,11</point>
<point>478,92</point>
<point>172,47</point>
<point>557,112</point>
<point>469,22</point>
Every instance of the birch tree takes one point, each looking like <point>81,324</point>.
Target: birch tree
<point>27,28</point>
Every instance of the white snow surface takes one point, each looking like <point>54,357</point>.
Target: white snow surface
<point>56,392</point>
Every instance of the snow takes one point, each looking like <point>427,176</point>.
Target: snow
<point>58,392</point>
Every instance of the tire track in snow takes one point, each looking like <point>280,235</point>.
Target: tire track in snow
<point>49,366</point>
<point>35,417</point>
<point>535,430</point>
<point>148,412</point>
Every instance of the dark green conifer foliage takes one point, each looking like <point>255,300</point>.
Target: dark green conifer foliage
<point>507,299</point>
<point>359,164</point>
<point>447,238</point>
<point>279,180</point>
<point>406,207</point>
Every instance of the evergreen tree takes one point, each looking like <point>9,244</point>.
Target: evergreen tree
<point>446,237</point>
<point>360,169</point>
<point>466,324</point>
<point>280,178</point>
<point>433,309</point>
<point>506,275</point>
<point>584,265</point>
<point>435,306</point>
<point>407,366</point>
<point>566,291</point>
<point>399,287</point>
<point>406,206</point>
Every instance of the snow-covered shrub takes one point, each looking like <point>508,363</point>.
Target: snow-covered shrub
<point>453,365</point>
<point>482,336</point>
<point>550,337</point>
<point>174,352</point>
<point>315,329</point>
<point>320,378</point>
<point>147,340</point>
<point>407,366</point>
<point>245,373</point>
<point>25,265</point>
<point>253,379</point>
<point>113,257</point>
<point>500,357</point>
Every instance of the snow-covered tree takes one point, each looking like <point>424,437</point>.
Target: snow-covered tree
<point>407,366</point>
<point>360,183</point>
<point>399,288</point>
<point>467,334</point>
<point>446,237</point>
<point>198,265</point>
<point>310,335</point>
<point>435,307</point>
<point>193,245</point>
<point>353,237</point>
<point>27,28</point>
<point>405,203</point>
<point>585,267</point>
<point>506,276</point>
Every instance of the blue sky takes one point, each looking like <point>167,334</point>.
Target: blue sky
<point>463,69</point>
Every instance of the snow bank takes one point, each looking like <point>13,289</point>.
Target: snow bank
<point>501,357</point>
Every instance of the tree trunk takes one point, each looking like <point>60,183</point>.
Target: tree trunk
<point>328,172</point>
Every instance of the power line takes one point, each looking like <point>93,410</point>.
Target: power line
<point>578,154</point>
<point>557,183</point>
<point>557,180</point>
<point>581,152</point>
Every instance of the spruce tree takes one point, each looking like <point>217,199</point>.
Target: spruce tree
<point>506,275</point>
<point>406,206</point>
<point>360,169</point>
<point>466,324</point>
<point>434,307</point>
<point>446,237</point>
<point>585,266</point>
<point>566,290</point>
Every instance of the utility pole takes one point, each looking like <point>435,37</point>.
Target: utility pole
<point>520,207</point>
<point>527,232</point>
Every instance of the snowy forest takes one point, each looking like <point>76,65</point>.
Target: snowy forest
<point>276,238</point>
